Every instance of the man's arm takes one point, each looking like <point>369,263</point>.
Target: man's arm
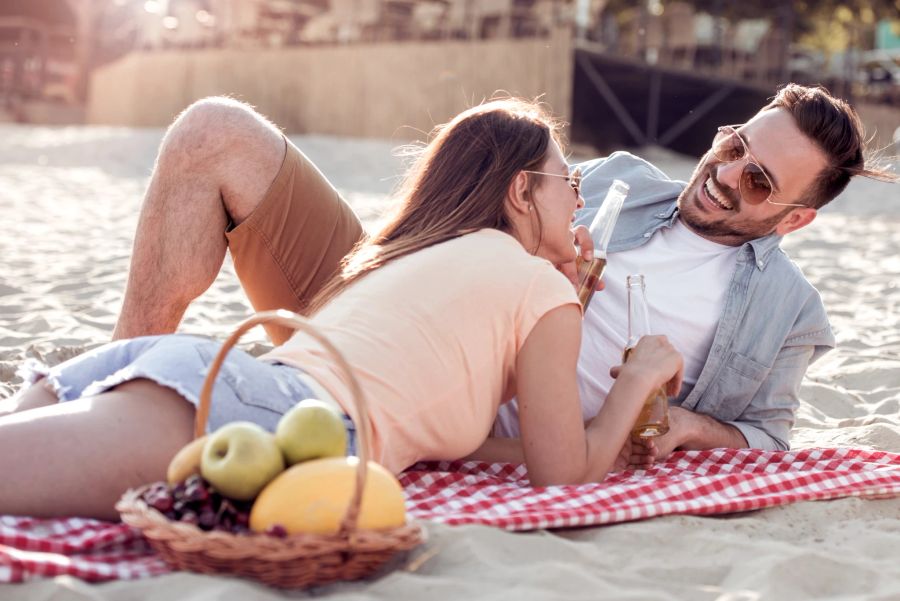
<point>688,431</point>
<point>765,423</point>
<point>698,431</point>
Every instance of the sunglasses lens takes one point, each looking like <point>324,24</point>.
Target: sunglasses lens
<point>728,147</point>
<point>755,185</point>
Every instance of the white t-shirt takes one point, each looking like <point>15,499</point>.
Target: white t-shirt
<point>686,277</point>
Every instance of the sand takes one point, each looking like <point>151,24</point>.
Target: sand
<point>70,198</point>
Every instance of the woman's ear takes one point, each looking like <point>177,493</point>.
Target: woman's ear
<point>518,197</point>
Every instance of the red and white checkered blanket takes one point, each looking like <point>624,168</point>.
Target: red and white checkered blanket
<point>693,482</point>
<point>697,482</point>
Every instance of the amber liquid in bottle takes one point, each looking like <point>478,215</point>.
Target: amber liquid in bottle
<point>654,417</point>
<point>589,273</point>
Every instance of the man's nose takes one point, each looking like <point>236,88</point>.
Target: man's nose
<point>729,174</point>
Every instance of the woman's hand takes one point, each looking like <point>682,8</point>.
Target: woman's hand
<point>654,358</point>
<point>585,245</point>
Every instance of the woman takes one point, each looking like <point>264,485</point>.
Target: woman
<point>451,309</point>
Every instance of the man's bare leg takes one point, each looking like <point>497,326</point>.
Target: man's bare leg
<point>77,458</point>
<point>216,162</point>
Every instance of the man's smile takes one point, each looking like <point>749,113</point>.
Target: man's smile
<point>712,197</point>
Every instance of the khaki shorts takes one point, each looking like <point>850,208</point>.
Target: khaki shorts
<point>293,242</point>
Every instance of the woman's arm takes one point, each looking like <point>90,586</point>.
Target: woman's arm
<point>556,446</point>
<point>499,450</point>
<point>552,432</point>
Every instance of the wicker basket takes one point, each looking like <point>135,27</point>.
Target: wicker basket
<point>298,560</point>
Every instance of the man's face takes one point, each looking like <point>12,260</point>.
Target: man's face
<point>790,158</point>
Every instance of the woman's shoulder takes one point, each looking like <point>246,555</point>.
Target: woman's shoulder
<point>492,251</point>
<point>488,260</point>
<point>500,249</point>
<point>493,240</point>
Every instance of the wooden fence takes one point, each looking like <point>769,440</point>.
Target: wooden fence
<point>389,90</point>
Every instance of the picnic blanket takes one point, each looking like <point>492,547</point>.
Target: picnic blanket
<point>694,482</point>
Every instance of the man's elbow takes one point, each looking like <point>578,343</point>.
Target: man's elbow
<point>779,444</point>
<point>764,440</point>
<point>770,442</point>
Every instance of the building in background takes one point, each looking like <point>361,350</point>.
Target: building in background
<point>887,35</point>
<point>708,48</point>
<point>37,53</point>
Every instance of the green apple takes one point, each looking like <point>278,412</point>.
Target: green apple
<point>239,459</point>
<point>311,429</point>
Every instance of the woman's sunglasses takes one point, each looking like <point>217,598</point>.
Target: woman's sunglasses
<point>574,178</point>
<point>755,184</point>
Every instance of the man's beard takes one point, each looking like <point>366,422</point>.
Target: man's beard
<point>722,230</point>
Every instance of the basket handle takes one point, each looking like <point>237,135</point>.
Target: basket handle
<point>296,322</point>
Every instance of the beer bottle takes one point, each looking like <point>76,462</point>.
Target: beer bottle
<point>654,417</point>
<point>601,229</point>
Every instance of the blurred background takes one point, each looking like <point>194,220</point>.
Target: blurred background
<point>623,74</point>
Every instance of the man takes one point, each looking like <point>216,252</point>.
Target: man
<point>746,320</point>
<point>225,178</point>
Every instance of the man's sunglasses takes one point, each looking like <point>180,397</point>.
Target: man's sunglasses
<point>755,185</point>
<point>574,178</point>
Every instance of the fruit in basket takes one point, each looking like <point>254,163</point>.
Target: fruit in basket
<point>312,498</point>
<point>311,429</point>
<point>186,461</point>
<point>194,501</point>
<point>239,459</point>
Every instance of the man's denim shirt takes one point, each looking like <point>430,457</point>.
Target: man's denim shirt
<point>773,323</point>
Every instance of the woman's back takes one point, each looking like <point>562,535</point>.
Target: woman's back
<point>434,337</point>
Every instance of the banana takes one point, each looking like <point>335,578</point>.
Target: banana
<point>186,461</point>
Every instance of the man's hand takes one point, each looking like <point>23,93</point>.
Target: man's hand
<point>647,451</point>
<point>656,448</point>
<point>687,431</point>
<point>640,453</point>
<point>634,455</point>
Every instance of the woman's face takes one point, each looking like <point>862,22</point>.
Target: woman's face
<point>556,201</point>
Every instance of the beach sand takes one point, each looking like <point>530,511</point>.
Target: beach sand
<point>70,198</point>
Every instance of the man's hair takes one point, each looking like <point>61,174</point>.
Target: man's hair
<point>834,126</point>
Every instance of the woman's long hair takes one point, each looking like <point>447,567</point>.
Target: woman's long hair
<point>458,185</point>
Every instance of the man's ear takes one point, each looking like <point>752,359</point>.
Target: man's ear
<point>517,196</point>
<point>795,220</point>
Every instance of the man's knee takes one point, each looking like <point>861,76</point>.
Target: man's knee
<point>212,126</point>
<point>232,145</point>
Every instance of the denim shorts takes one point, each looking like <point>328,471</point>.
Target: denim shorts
<point>246,389</point>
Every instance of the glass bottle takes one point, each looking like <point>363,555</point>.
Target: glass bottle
<point>601,228</point>
<point>654,417</point>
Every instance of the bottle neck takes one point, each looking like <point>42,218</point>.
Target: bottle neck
<point>638,312</point>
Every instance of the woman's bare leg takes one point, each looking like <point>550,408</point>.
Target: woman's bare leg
<point>77,458</point>
<point>34,396</point>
